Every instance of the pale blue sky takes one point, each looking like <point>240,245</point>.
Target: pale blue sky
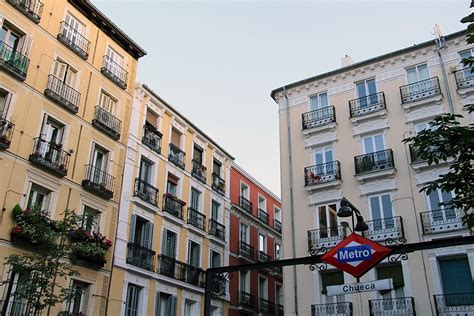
<point>217,61</point>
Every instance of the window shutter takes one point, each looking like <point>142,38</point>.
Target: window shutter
<point>157,304</point>
<point>133,223</point>
<point>148,235</point>
<point>172,304</point>
<point>85,300</point>
<point>163,242</point>
<point>25,45</point>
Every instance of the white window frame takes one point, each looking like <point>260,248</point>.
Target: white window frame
<point>264,199</point>
<point>318,96</point>
<point>265,242</point>
<point>245,185</point>
<point>247,234</point>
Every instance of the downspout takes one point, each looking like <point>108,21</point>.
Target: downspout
<point>292,203</point>
<point>441,43</point>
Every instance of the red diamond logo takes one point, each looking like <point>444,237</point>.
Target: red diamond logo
<point>356,255</point>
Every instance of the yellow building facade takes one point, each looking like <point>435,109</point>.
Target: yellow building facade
<point>67,78</point>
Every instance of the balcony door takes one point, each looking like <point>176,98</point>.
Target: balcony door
<point>52,134</point>
<point>13,304</point>
<point>168,249</point>
<point>322,159</point>
<point>65,74</point>
<point>440,213</point>
<point>141,232</point>
<point>330,279</point>
<point>382,213</point>
<point>244,233</point>
<point>75,31</point>
<point>215,211</point>
<point>416,74</point>
<point>456,278</point>
<point>10,37</point>
<point>364,89</point>
<point>372,144</point>
<point>145,174</point>
<point>318,101</point>
<point>393,304</point>
<point>99,164</point>
<point>327,220</point>
<point>115,57</point>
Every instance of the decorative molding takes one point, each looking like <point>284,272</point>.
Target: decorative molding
<point>430,175</point>
<point>380,185</point>
<point>423,113</point>
<point>374,125</point>
<point>325,196</point>
<point>317,139</point>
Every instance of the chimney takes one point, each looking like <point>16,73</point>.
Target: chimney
<point>438,31</point>
<point>346,61</point>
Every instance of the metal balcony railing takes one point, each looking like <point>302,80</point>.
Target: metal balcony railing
<point>454,304</point>
<point>50,156</point>
<point>464,78</point>
<point>376,161</point>
<point>339,309</point>
<point>18,307</point>
<point>216,229</point>
<point>13,61</point>
<point>392,306</point>
<point>99,182</point>
<point>366,105</point>
<point>152,138</point>
<point>176,156</point>
<point>442,220</point>
<point>279,310</point>
<point>180,271</point>
<point>6,133</point>
<point>106,122</point>
<point>196,218</point>
<point>325,237</point>
<point>322,173</point>
<point>263,257</point>
<point>141,257</point>
<point>199,171</point>
<point>62,94</point>
<point>32,9</point>
<point>263,216</point>
<point>277,225</point>
<point>265,306</point>
<point>385,228</point>
<point>246,250</point>
<point>146,192</point>
<point>172,205</point>
<point>74,40</point>
<point>420,90</point>
<point>218,184</point>
<point>246,204</point>
<point>319,117</point>
<point>114,72</point>
<point>247,300</point>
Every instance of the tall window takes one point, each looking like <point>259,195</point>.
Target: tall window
<point>14,305</point>
<point>418,73</point>
<point>467,72</point>
<point>244,282</point>
<point>99,158</point>
<point>165,304</point>
<point>106,101</point>
<point>195,197</point>
<point>319,101</point>
<point>194,254</point>
<point>52,131</point>
<point>151,119</point>
<point>215,210</point>
<point>172,185</point>
<point>395,273</point>
<point>90,220</point>
<point>441,212</point>
<point>279,294</point>
<point>175,138</point>
<point>456,276</point>
<point>4,102</point>
<point>262,243</point>
<point>15,39</point>
<point>373,143</point>
<point>381,210</point>
<point>215,259</point>
<point>168,247</point>
<point>132,300</point>
<point>73,28</point>
<point>262,288</point>
<point>145,170</point>
<point>244,191</point>
<point>189,308</point>
<point>114,56</point>
<point>262,203</point>
<point>80,300</point>
<point>38,198</point>
<point>64,72</point>
<point>141,231</point>
<point>327,220</point>
<point>366,87</point>
<point>322,158</point>
<point>216,167</point>
<point>277,252</point>
<point>277,214</point>
<point>332,278</point>
<point>197,154</point>
<point>244,233</point>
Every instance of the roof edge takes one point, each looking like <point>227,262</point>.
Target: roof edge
<point>255,181</point>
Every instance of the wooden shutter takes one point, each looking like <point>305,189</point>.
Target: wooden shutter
<point>24,45</point>
<point>148,235</point>
<point>175,137</point>
<point>59,69</point>
<point>133,223</point>
<point>152,119</point>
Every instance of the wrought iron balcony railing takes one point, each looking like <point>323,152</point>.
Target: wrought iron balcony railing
<point>199,171</point>
<point>325,237</point>
<point>107,123</point>
<point>454,304</point>
<point>181,271</point>
<point>277,225</point>
<point>265,306</point>
<point>464,78</point>
<point>263,216</point>
<point>247,300</point>
<point>442,220</point>
<point>32,9</point>
<point>216,229</point>
<point>146,192</point>
<point>246,204</point>
<point>392,306</point>
<point>218,184</point>
<point>279,310</point>
<point>74,40</point>
<point>141,257</point>
<point>246,250</point>
<point>176,156</point>
<point>385,228</point>
<point>62,94</point>
<point>420,90</point>
<point>319,117</point>
<point>322,173</point>
<point>366,105</point>
<point>114,72</point>
<point>196,218</point>
<point>50,156</point>
<point>13,61</point>
<point>6,133</point>
<point>172,205</point>
<point>152,138</point>
<point>373,162</point>
<point>263,257</point>
<point>340,309</point>
<point>99,182</point>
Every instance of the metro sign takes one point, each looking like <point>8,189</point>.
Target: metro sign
<point>356,255</point>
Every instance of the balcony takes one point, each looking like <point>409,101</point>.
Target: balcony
<point>6,133</point>
<point>180,271</point>
<point>172,205</point>
<point>319,117</point>
<point>385,228</point>
<point>218,184</point>
<point>32,9</point>
<point>265,306</point>
<point>441,221</point>
<point>199,171</point>
<point>263,257</point>
<point>246,251</point>
<point>141,257</point>
<point>176,156</point>
<point>375,164</point>
<point>107,123</point>
<point>322,173</point>
<point>277,225</point>
<point>279,310</point>
<point>216,229</point>
<point>13,62</point>
<point>325,237</point>
<point>421,90</point>
<point>152,138</point>
<point>454,304</point>
<point>99,182</point>
<point>74,40</point>
<point>114,72</point>
<point>196,218</point>
<point>246,205</point>
<point>340,309</point>
<point>263,216</point>
<point>393,306</point>
<point>464,78</point>
<point>247,300</point>
<point>50,156</point>
<point>62,94</point>
<point>146,192</point>
<point>362,107</point>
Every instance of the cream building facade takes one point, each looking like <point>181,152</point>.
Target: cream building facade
<point>358,154</point>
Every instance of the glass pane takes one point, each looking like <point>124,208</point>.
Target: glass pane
<point>371,86</point>
<point>375,208</point>
<point>387,206</point>
<point>368,145</point>
<point>314,103</point>
<point>323,221</point>
<point>446,196</point>
<point>411,75</point>
<point>328,154</point>
<point>319,157</point>
<point>361,90</point>
<point>379,143</point>
<point>323,100</point>
<point>434,200</point>
<point>423,72</point>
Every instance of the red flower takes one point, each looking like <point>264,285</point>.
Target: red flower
<point>87,234</point>
<point>17,230</point>
<point>108,243</point>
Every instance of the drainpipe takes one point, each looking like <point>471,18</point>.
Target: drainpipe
<point>292,203</point>
<point>441,43</point>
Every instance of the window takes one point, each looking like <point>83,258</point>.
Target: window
<point>327,221</point>
<point>141,231</point>
<point>175,138</point>
<point>65,73</point>
<point>331,278</point>
<point>244,190</point>
<point>168,247</point>
<point>373,144</point>
<point>195,197</point>
<point>197,154</point>
<point>467,74</point>
<point>278,294</point>
<point>215,259</point>
<point>90,220</point>
<point>215,210</point>
<point>381,211</point>
<point>216,167</point>
<point>244,233</point>
<point>262,288</point>
<point>106,101</point>
<point>99,159</point>
<point>440,212</point>
<point>262,203</point>
<point>15,305</point>
<point>418,73</point>
<point>277,252</point>
<point>145,170</point>
<point>395,273</point>
<point>322,158</point>
<point>189,308</point>
<point>80,299</point>
<point>262,245</point>
<point>151,119</point>
<point>465,54</point>
<point>73,28</point>
<point>165,304</point>
<point>319,101</point>
<point>172,185</point>
<point>277,214</point>
<point>244,282</point>
<point>114,56</point>
<point>456,277</point>
<point>4,102</point>
<point>38,198</point>
<point>52,131</point>
<point>132,300</point>
<point>367,88</point>
<point>194,254</point>
<point>15,39</point>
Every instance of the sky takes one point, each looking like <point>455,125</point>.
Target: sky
<point>216,62</point>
